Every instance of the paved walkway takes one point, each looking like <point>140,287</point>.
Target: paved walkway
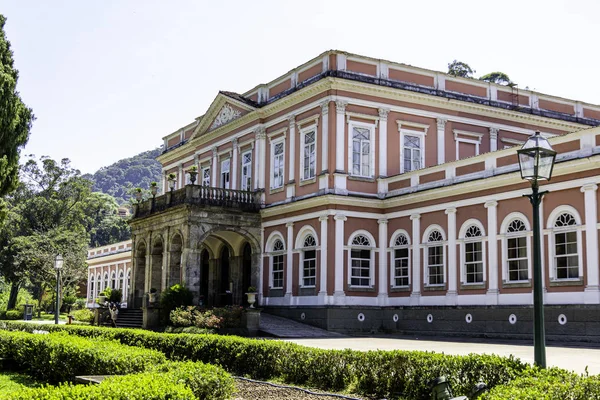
<point>287,328</point>
<point>570,358</point>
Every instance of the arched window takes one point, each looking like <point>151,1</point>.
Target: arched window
<point>361,261</point>
<point>309,261</point>
<point>98,284</point>
<point>516,251</point>
<point>566,248</point>
<point>277,264</point>
<point>473,255</point>
<point>121,280</point>
<point>105,280</point>
<point>401,261</point>
<point>435,258</point>
<point>127,284</point>
<point>113,280</point>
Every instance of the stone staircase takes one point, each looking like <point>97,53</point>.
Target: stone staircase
<point>130,318</point>
<point>286,328</point>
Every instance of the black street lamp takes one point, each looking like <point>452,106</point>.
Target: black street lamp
<point>536,160</point>
<point>58,264</point>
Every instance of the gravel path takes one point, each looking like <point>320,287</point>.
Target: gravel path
<point>252,390</point>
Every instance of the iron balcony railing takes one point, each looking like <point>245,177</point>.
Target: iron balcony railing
<point>200,195</point>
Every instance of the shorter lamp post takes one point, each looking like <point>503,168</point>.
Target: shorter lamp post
<point>58,264</point>
<point>536,160</point>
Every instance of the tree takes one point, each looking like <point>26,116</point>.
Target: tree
<point>103,223</point>
<point>497,77</point>
<point>15,117</point>
<point>461,69</point>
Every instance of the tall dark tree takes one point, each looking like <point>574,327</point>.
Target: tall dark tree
<point>15,117</point>
<point>461,69</point>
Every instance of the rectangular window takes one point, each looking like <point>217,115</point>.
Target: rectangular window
<point>401,267</point>
<point>435,265</point>
<point>309,271</point>
<point>309,155</point>
<point>278,164</point>
<point>361,267</point>
<point>411,150</point>
<point>247,171</point>
<point>474,262</point>
<point>205,176</point>
<point>517,259</point>
<point>567,259</point>
<point>361,152</point>
<point>278,272</point>
<point>225,164</point>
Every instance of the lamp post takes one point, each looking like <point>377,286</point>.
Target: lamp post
<point>58,263</point>
<point>536,160</point>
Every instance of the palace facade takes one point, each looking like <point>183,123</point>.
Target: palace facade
<point>359,194</point>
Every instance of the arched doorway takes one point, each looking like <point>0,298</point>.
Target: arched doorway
<point>175,261</point>
<point>246,271</point>
<point>204,269</point>
<point>156,267</point>
<point>140,275</point>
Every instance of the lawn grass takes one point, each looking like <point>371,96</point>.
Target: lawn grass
<point>49,317</point>
<point>11,382</point>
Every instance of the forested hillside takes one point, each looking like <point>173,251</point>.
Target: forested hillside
<point>120,178</point>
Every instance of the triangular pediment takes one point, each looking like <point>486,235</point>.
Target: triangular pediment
<point>223,110</point>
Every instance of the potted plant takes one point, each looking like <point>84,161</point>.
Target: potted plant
<point>172,181</point>
<point>251,296</point>
<point>138,194</point>
<point>103,295</point>
<point>152,295</point>
<point>154,188</point>
<point>193,171</point>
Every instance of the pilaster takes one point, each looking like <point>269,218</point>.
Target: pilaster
<point>338,293</point>
<point>214,165</point>
<point>441,140</point>
<point>324,250</point>
<point>493,138</point>
<point>383,133</point>
<point>234,163</point>
<point>592,290</point>
<point>291,184</point>
<point>324,175</point>
<point>492,234</point>
<point>451,295</point>
<point>382,296</point>
<point>290,262</point>
<point>415,295</point>
<point>340,175</point>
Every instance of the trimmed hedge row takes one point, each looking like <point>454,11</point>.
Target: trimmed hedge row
<point>169,381</point>
<point>375,373</point>
<point>59,357</point>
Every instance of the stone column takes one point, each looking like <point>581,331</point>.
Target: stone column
<point>234,164</point>
<point>181,177</point>
<point>492,234</point>
<point>383,133</point>
<point>324,175</point>
<point>290,262</point>
<point>338,293</point>
<point>261,136</point>
<point>323,260</point>
<point>291,184</point>
<point>340,174</point>
<point>415,295</point>
<point>214,165</point>
<point>493,139</point>
<point>592,290</point>
<point>453,274</point>
<point>441,140</point>
<point>382,296</point>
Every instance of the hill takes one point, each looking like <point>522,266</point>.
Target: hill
<point>120,178</point>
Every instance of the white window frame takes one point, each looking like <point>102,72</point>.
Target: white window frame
<point>225,184</point>
<point>303,132</point>
<point>205,176</point>
<point>244,185</point>
<point>274,237</point>
<point>392,251</point>
<point>127,284</point>
<point>476,140</point>
<point>98,284</point>
<point>426,245</point>
<point>372,248</point>
<point>113,280</point>
<point>371,127</point>
<point>505,235</point>
<point>463,248</point>
<point>106,282</point>
<point>121,280</point>
<point>410,132</point>
<point>551,231</point>
<point>274,142</point>
<point>303,233</point>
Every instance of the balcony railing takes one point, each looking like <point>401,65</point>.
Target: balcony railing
<point>203,196</point>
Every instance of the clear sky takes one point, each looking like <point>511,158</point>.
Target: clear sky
<point>108,79</point>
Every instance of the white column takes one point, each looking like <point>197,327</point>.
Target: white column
<point>415,296</point>
<point>181,177</point>
<point>592,290</point>
<point>493,139</point>
<point>338,293</point>
<point>234,164</point>
<point>492,234</point>
<point>290,262</point>
<point>452,268</point>
<point>383,119</point>
<point>215,160</point>
<point>340,174</point>
<point>323,277</point>
<point>260,159</point>
<point>256,158</point>
<point>382,295</point>
<point>441,140</point>
<point>291,184</point>
<point>324,176</point>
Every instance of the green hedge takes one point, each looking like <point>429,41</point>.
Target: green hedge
<point>375,373</point>
<point>59,357</point>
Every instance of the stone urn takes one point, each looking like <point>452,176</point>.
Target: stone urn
<point>251,296</point>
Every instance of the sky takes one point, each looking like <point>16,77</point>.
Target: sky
<point>108,79</point>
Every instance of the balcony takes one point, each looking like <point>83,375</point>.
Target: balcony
<point>197,195</point>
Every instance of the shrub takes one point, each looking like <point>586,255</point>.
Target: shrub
<point>80,303</point>
<point>173,297</point>
<point>14,314</point>
<point>231,316</point>
<point>116,296</point>
<point>84,315</point>
<point>68,301</point>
